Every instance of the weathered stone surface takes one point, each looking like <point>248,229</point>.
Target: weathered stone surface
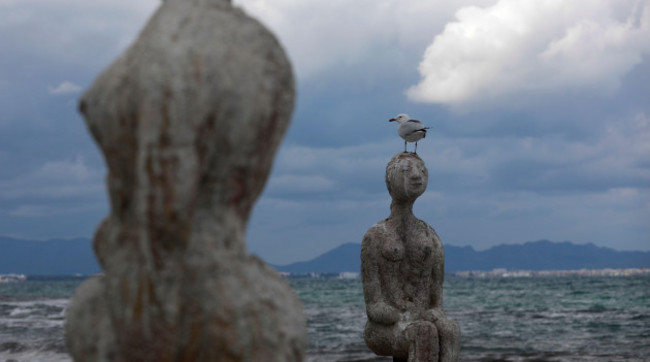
<point>402,265</point>
<point>189,119</point>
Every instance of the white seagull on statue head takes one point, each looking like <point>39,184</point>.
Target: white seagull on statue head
<point>411,130</point>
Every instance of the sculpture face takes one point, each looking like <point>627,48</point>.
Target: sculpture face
<point>406,177</point>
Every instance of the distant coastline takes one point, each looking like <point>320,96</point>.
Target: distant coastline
<point>505,273</point>
<point>75,256</point>
<point>532,258</point>
<point>9,278</point>
<point>497,273</point>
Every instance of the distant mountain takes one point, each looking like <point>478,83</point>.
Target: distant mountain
<point>75,256</point>
<point>52,257</point>
<point>543,255</point>
<point>343,258</point>
<point>538,255</point>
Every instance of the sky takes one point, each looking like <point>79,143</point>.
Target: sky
<point>540,116</point>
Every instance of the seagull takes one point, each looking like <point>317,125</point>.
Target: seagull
<point>411,130</point>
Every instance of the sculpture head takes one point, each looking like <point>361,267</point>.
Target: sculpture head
<point>406,177</point>
<point>201,123</point>
<point>189,135</point>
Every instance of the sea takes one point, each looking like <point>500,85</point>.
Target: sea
<point>568,318</point>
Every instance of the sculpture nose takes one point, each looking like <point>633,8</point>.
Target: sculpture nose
<point>415,174</point>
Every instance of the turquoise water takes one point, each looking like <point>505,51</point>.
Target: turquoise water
<point>553,319</point>
<point>502,319</point>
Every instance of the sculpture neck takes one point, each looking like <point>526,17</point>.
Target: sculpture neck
<point>401,208</point>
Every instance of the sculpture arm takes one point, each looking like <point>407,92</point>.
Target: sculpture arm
<point>434,314</point>
<point>377,309</point>
<point>437,273</point>
<point>382,313</point>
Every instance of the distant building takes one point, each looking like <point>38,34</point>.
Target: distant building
<point>504,273</point>
<point>7,278</point>
<point>348,275</point>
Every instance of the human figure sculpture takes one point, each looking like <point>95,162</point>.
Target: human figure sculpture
<point>189,119</point>
<point>402,265</point>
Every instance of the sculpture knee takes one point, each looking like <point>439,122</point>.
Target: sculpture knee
<point>421,328</point>
<point>423,341</point>
<point>87,319</point>
<point>449,332</point>
<point>380,338</point>
<point>448,328</point>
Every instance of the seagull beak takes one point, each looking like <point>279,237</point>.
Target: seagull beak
<point>391,120</point>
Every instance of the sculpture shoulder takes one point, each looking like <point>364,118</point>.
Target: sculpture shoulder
<point>429,230</point>
<point>374,237</point>
<point>375,232</point>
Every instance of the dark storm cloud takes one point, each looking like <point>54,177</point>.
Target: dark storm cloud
<point>549,150</point>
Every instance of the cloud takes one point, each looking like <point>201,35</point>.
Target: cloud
<point>34,211</point>
<point>497,52</point>
<point>342,173</point>
<point>616,218</point>
<point>62,179</point>
<point>484,189</point>
<point>74,34</point>
<point>615,155</point>
<point>618,156</point>
<point>300,184</point>
<point>64,88</point>
<point>322,35</point>
<point>10,18</point>
<point>575,169</point>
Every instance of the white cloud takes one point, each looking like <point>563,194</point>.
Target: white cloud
<point>66,170</point>
<point>62,179</point>
<point>300,184</point>
<point>618,156</point>
<point>65,87</point>
<point>13,17</point>
<point>482,190</point>
<point>321,35</point>
<point>74,32</point>
<point>515,46</point>
<point>497,48</point>
<point>345,173</point>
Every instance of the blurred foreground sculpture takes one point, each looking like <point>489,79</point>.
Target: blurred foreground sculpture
<point>402,266</point>
<point>189,119</point>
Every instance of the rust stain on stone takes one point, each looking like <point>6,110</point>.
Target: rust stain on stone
<point>198,67</point>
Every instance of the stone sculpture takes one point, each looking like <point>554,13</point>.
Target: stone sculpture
<point>189,119</point>
<point>402,266</point>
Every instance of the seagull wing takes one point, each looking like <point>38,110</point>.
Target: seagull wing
<point>417,121</point>
<point>407,128</point>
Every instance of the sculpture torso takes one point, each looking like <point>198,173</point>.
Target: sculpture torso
<point>410,253</point>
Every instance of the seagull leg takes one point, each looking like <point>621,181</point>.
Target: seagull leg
<point>404,146</point>
<point>416,148</point>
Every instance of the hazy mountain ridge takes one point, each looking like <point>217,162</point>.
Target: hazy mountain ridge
<point>51,257</point>
<point>537,255</point>
<point>56,257</point>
